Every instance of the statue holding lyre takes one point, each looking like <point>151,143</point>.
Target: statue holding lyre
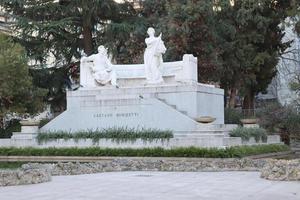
<point>153,57</point>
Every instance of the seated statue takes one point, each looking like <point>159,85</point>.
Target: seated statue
<point>101,68</point>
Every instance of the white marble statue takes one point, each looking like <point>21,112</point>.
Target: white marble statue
<point>153,57</point>
<point>101,68</point>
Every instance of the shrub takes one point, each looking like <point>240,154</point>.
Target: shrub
<point>247,133</point>
<point>13,126</point>
<point>283,119</point>
<point>231,152</point>
<point>290,128</point>
<point>272,115</point>
<point>292,124</point>
<point>117,134</point>
<point>232,116</point>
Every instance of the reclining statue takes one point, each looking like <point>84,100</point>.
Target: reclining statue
<point>101,68</point>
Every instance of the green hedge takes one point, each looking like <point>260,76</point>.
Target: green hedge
<point>231,152</point>
<point>117,134</point>
<point>11,165</point>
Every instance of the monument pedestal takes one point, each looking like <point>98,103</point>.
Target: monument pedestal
<point>166,107</point>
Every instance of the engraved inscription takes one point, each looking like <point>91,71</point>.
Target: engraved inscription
<point>108,115</point>
<point>103,115</point>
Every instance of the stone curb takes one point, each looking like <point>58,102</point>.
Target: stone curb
<point>24,177</point>
<point>30,173</point>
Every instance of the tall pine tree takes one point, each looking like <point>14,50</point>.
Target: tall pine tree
<point>62,29</point>
<point>250,37</point>
<point>65,27</point>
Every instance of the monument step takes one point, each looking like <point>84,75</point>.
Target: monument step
<point>23,136</point>
<point>198,135</point>
<point>201,131</point>
<point>174,106</point>
<point>223,127</point>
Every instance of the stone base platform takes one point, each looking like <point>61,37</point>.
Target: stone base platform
<point>166,107</point>
<point>174,107</point>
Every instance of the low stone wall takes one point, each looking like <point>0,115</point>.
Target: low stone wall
<point>24,176</point>
<point>38,172</point>
<point>150,164</point>
<point>237,141</point>
<point>26,140</point>
<point>281,170</point>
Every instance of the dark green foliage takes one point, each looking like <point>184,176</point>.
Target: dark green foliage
<point>250,43</point>
<point>233,116</point>
<point>231,152</point>
<point>282,119</point>
<point>43,122</point>
<point>54,81</point>
<point>64,29</point>
<point>191,29</point>
<point>238,46</point>
<point>151,13</point>
<point>10,165</point>
<point>292,124</point>
<point>259,134</point>
<point>272,115</point>
<point>17,93</point>
<point>117,134</point>
<point>12,126</point>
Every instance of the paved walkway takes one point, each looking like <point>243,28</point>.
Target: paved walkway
<point>156,186</point>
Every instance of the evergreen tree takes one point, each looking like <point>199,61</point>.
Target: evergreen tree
<point>151,13</point>
<point>65,27</point>
<point>191,29</point>
<point>17,93</point>
<point>62,29</point>
<point>238,43</point>
<point>250,37</point>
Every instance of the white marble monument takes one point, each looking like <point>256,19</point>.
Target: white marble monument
<point>98,68</point>
<point>156,94</point>
<point>153,57</point>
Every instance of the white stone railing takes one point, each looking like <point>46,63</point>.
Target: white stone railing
<point>182,71</point>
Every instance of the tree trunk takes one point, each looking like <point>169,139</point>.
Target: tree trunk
<point>232,97</point>
<point>248,104</point>
<point>87,39</point>
<point>1,122</point>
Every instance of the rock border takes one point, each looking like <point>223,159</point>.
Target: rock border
<point>281,170</point>
<point>24,177</point>
<point>32,173</point>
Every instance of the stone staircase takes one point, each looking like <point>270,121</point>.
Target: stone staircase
<point>173,106</point>
<point>203,130</point>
